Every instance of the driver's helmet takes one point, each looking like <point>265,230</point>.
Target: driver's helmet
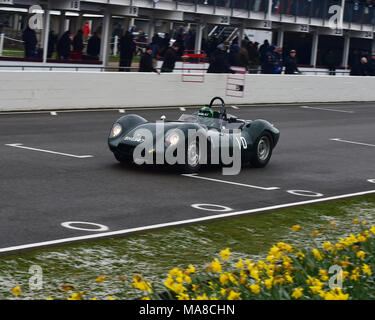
<point>206,112</point>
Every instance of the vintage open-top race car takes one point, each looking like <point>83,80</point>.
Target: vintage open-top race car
<point>255,139</point>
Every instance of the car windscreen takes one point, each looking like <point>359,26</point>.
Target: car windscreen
<point>207,121</point>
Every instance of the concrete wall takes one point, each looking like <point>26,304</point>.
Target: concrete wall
<point>36,90</point>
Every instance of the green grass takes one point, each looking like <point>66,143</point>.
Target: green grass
<point>153,253</point>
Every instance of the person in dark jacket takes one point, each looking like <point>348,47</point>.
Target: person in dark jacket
<point>291,63</point>
<point>371,65</point>
<point>127,50</point>
<point>364,67</point>
<point>234,55</point>
<point>355,63</point>
<point>63,46</point>
<point>268,66</point>
<point>30,42</point>
<point>147,63</point>
<point>330,61</point>
<point>170,58</point>
<point>243,55</point>
<point>51,43</point>
<point>93,46</point>
<point>219,62</point>
<point>78,41</point>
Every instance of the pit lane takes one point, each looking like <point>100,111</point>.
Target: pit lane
<point>48,197</point>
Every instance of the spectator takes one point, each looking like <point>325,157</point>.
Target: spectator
<point>170,58</point>
<point>291,63</point>
<point>86,31</point>
<point>330,61</point>
<point>268,66</point>
<point>219,61</point>
<point>63,46</point>
<point>364,68</point>
<point>371,65</point>
<point>243,55</point>
<point>278,63</point>
<point>147,63</point>
<point>355,64</point>
<point>51,43</point>
<point>263,50</point>
<point>127,50</point>
<point>234,55</point>
<point>254,57</point>
<point>30,42</point>
<point>93,47</point>
<point>78,42</point>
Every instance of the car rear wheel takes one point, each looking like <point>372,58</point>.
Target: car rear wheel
<point>263,150</point>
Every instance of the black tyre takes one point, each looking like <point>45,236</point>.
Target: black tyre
<point>192,158</point>
<point>263,150</point>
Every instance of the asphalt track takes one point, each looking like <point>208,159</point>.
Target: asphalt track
<point>42,192</point>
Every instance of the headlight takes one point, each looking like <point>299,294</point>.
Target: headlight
<point>173,139</point>
<point>116,130</point>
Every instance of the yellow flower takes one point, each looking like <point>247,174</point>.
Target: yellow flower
<point>94,298</point>
<point>333,224</point>
<point>315,289</point>
<point>300,255</point>
<point>296,227</point>
<point>183,296</point>
<point>336,294</point>
<point>317,254</point>
<point>223,292</point>
<point>289,278</point>
<point>146,298</point>
<point>366,269</point>
<point>323,274</point>
<point>361,255</point>
<point>187,279</point>
<point>240,265</point>
<point>202,297</point>
<point>268,283</point>
<point>372,229</point>
<point>111,298</point>
<point>140,284</point>
<point>76,296</point>
<point>327,245</point>
<point>100,279</point>
<point>190,269</point>
<point>216,266</point>
<point>255,288</point>
<point>224,279</point>
<point>297,293</point>
<point>234,295</point>
<point>355,221</point>
<point>16,291</point>
<point>49,298</point>
<point>315,233</point>
<point>225,254</point>
<point>176,272</point>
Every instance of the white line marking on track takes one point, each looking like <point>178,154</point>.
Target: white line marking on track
<point>121,111</point>
<point>353,142</point>
<point>325,109</point>
<point>70,225</point>
<point>19,145</point>
<point>210,207</point>
<point>181,222</point>
<point>371,180</point>
<point>305,193</point>
<point>235,107</point>
<point>194,175</point>
<point>53,113</point>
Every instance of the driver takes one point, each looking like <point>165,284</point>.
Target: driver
<point>206,112</point>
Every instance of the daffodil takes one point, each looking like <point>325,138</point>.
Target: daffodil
<point>296,227</point>
<point>234,295</point>
<point>366,269</point>
<point>255,288</point>
<point>225,254</point>
<point>297,293</point>
<point>100,279</point>
<point>216,266</point>
<point>16,291</point>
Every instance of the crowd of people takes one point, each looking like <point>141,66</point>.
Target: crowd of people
<point>68,46</point>
<point>220,54</point>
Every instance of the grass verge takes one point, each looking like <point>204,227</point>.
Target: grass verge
<point>153,254</point>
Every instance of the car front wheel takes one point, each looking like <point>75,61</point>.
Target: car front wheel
<point>263,150</point>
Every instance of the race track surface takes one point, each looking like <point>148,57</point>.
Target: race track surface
<point>41,192</point>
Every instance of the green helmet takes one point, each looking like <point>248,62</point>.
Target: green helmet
<point>206,112</point>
